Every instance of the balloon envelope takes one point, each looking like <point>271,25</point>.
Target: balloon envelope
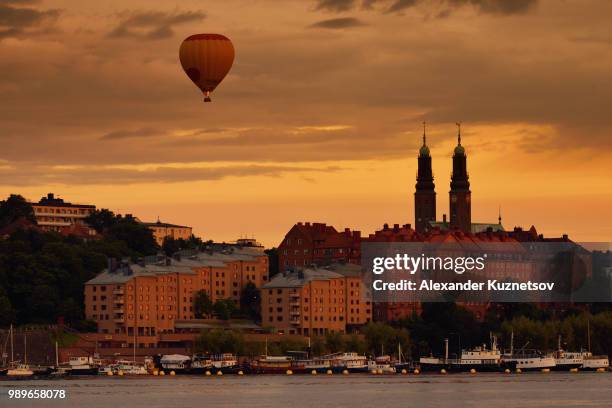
<point>206,59</point>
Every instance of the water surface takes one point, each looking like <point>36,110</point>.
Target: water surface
<point>457,390</point>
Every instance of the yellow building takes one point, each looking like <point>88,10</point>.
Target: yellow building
<point>315,301</point>
<point>54,214</point>
<point>162,230</point>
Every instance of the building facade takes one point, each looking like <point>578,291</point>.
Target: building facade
<point>316,301</point>
<point>317,243</point>
<point>163,230</point>
<point>146,300</point>
<point>54,214</point>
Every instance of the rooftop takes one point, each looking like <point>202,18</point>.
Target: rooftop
<point>163,225</point>
<point>297,279</point>
<point>183,264</point>
<point>51,201</point>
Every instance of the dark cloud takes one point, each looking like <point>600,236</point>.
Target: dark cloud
<point>499,7</point>
<point>339,23</point>
<point>16,20</point>
<point>92,175</point>
<point>153,25</point>
<point>335,5</point>
<point>129,134</point>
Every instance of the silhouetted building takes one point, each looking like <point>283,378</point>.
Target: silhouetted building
<point>460,196</point>
<point>425,194</point>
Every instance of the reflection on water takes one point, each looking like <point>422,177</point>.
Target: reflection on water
<point>481,390</point>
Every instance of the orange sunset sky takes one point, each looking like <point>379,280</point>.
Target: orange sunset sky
<point>320,117</point>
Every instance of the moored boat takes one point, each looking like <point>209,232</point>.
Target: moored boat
<point>381,364</point>
<point>271,365</point>
<point>351,362</point>
<point>83,365</point>
<point>20,370</point>
<point>591,362</point>
<point>225,363</point>
<point>178,363</point>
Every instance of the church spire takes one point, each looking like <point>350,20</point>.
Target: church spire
<point>458,133</point>
<point>425,194</point>
<point>424,151</point>
<point>460,195</point>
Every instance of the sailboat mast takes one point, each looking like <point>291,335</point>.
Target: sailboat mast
<point>589,335</point>
<point>512,343</point>
<point>12,351</point>
<point>56,355</point>
<point>25,348</point>
<point>399,352</point>
<point>445,350</point>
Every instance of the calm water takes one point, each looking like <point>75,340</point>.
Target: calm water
<point>457,390</point>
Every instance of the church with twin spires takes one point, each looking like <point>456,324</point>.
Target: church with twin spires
<point>460,196</point>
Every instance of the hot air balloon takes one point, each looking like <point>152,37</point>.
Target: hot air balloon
<point>206,59</point>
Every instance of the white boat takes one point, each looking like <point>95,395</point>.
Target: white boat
<point>352,362</point>
<point>382,363</point>
<point>591,362</point>
<point>566,360</point>
<point>530,361</point>
<point>129,368</point>
<point>175,362</point>
<point>83,365</point>
<point>223,361</point>
<point>478,358</point>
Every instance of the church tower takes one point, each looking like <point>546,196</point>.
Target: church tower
<point>460,194</point>
<point>425,194</point>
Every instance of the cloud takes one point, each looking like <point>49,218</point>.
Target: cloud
<point>129,134</point>
<point>153,25</point>
<point>335,5</point>
<point>16,20</point>
<point>112,175</point>
<point>339,23</point>
<point>496,7</point>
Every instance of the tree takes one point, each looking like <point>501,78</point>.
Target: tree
<point>7,315</point>
<point>101,220</point>
<point>224,309</point>
<point>171,246</point>
<point>202,305</point>
<point>250,301</point>
<point>334,342</point>
<point>381,337</point>
<point>138,237</point>
<point>219,341</point>
<point>14,208</point>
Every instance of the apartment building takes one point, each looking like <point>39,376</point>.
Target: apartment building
<point>54,214</point>
<point>146,300</point>
<point>163,230</point>
<point>315,301</point>
<point>317,243</point>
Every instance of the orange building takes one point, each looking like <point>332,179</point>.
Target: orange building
<point>162,230</point>
<point>144,301</point>
<point>315,301</point>
<point>54,214</point>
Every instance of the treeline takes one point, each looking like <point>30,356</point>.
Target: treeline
<point>42,274</point>
<point>424,335</point>
<point>372,341</point>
